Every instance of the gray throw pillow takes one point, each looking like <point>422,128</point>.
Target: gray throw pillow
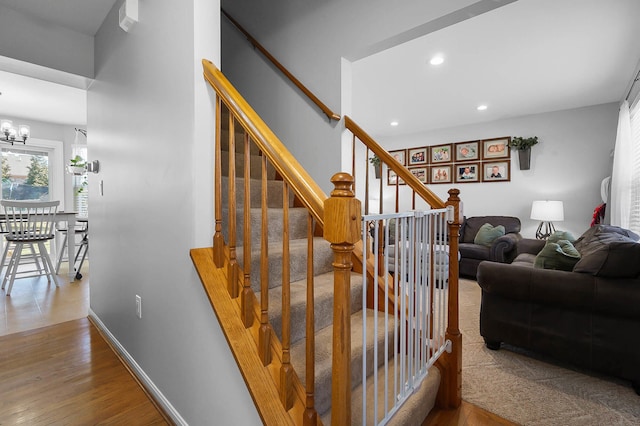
<point>561,255</point>
<point>487,234</point>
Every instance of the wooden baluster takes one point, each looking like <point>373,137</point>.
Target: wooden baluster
<point>233,270</point>
<point>450,392</point>
<point>246,297</point>
<point>264,342</point>
<point>366,183</point>
<point>310,415</point>
<point>218,241</point>
<point>286,371</point>
<point>342,229</point>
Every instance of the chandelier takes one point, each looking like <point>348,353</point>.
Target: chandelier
<point>10,134</point>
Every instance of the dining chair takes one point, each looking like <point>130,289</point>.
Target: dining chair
<point>29,225</point>
<point>81,229</point>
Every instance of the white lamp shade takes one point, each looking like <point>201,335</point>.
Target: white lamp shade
<point>547,211</point>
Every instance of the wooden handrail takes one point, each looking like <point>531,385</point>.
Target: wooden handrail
<point>285,164</point>
<point>328,112</point>
<point>401,171</point>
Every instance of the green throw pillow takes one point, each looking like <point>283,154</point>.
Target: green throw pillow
<point>561,255</point>
<point>487,233</point>
<point>561,235</point>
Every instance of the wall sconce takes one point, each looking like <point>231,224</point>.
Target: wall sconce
<point>11,134</point>
<point>547,212</point>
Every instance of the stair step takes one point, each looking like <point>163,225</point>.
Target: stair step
<point>255,164</point>
<point>274,193</point>
<point>412,413</point>
<point>322,258</point>
<point>297,225</point>
<point>323,304</point>
<point>323,340</point>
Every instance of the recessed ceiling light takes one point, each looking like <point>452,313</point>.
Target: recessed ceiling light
<point>436,60</point>
<point>482,107</point>
<point>394,123</point>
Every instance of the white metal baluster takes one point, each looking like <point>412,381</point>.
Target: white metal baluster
<point>365,230</point>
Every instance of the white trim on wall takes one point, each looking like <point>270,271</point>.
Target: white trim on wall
<point>139,372</point>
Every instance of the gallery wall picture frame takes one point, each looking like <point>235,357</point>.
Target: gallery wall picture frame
<point>496,171</point>
<point>421,173</point>
<point>467,151</point>
<point>467,172</point>
<point>400,155</point>
<point>440,174</point>
<point>496,148</point>
<point>392,178</point>
<point>418,156</point>
<point>441,154</point>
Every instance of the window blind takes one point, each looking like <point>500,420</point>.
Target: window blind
<point>634,220</point>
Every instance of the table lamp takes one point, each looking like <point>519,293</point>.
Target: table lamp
<point>546,212</point>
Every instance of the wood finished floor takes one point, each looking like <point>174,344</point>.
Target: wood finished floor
<point>55,367</point>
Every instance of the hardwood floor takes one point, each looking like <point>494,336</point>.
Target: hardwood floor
<point>56,368</point>
<point>466,415</point>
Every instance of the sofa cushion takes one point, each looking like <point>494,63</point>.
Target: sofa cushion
<point>487,234</point>
<point>561,235</point>
<point>600,232</point>
<point>471,226</point>
<point>612,256</point>
<point>561,255</point>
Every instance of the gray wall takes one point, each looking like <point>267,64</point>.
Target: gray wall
<point>568,164</point>
<point>150,126</point>
<point>44,44</point>
<point>310,38</point>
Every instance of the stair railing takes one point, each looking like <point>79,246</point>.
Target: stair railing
<point>420,198</point>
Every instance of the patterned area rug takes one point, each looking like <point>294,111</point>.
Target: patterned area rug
<point>533,390</point>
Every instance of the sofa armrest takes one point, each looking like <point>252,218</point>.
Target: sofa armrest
<point>530,246</point>
<point>503,248</point>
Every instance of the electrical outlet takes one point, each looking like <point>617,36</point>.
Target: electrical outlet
<point>138,306</point>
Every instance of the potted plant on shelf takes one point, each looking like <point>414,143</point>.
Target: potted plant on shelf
<point>523,146</point>
<point>77,165</point>
<point>375,160</point>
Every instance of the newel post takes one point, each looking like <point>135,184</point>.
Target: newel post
<point>450,392</point>
<point>342,222</point>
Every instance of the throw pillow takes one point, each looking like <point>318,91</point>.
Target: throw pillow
<point>561,255</point>
<point>561,235</point>
<point>487,234</point>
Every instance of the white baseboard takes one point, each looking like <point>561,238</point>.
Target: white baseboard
<point>139,372</point>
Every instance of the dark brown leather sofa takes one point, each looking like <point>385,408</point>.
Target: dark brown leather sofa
<point>502,250</point>
<point>589,318</point>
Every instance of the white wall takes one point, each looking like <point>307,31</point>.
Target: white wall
<point>568,164</point>
<point>310,39</point>
<point>150,126</point>
<point>44,44</point>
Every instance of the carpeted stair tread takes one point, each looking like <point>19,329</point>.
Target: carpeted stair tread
<point>274,193</point>
<point>255,165</point>
<point>322,258</point>
<point>412,413</point>
<point>323,341</point>
<point>297,225</point>
<point>323,304</point>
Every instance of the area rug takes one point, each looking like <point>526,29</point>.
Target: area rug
<point>529,389</point>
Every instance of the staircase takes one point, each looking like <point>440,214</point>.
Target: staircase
<point>288,312</point>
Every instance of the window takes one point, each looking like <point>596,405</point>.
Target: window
<point>634,220</point>
<point>33,171</point>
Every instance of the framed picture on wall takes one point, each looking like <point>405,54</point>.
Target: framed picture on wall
<point>392,178</point>
<point>399,155</point>
<point>418,156</point>
<point>441,174</point>
<point>467,151</point>
<point>496,171</point>
<point>467,172</point>
<point>420,173</point>
<point>495,148</point>
<point>441,154</point>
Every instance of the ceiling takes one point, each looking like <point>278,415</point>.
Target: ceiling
<point>39,98</point>
<point>526,57</point>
